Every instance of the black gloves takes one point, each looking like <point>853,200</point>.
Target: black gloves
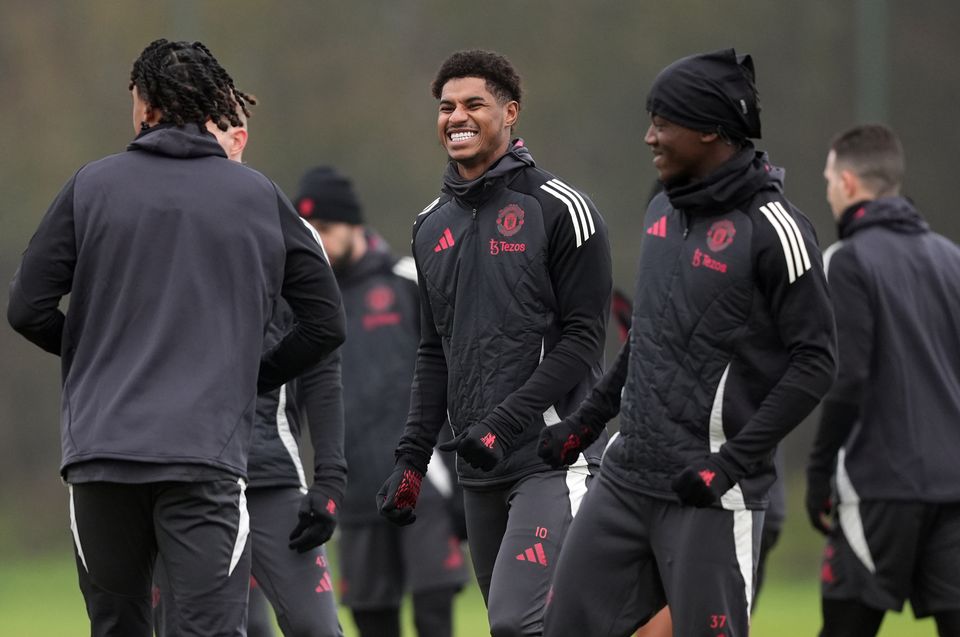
<point>560,444</point>
<point>483,445</point>
<point>702,483</point>
<point>318,519</point>
<point>397,498</point>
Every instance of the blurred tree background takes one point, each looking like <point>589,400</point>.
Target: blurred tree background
<point>347,83</point>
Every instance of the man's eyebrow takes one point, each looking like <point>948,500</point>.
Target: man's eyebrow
<point>475,98</point>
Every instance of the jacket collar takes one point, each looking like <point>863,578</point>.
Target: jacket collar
<point>516,158</point>
<point>377,259</point>
<point>736,181</point>
<point>895,213</point>
<point>190,140</point>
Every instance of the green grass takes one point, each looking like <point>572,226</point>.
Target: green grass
<point>39,597</point>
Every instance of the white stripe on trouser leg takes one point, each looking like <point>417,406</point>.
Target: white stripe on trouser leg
<point>577,475</point>
<point>243,527</point>
<point>438,475</point>
<point>849,513</point>
<point>73,529</point>
<point>288,439</point>
<point>743,542</point>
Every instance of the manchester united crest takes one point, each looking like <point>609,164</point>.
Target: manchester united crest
<point>380,298</point>
<point>720,235</point>
<point>510,220</point>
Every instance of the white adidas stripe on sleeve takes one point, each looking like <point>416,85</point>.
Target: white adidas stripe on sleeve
<point>406,268</point>
<point>580,215</point>
<point>828,255</point>
<point>316,236</point>
<point>429,207</point>
<point>586,218</point>
<point>794,249</point>
<point>791,224</point>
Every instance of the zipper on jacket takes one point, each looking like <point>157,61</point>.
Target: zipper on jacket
<point>686,223</point>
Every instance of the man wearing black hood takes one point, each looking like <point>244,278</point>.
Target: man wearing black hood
<point>731,345</point>
<point>514,272</point>
<point>889,429</point>
<point>378,561</point>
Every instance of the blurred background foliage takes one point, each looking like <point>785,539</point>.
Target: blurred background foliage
<point>347,83</point>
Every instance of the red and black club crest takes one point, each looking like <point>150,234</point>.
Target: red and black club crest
<point>380,298</point>
<point>720,235</point>
<point>510,220</point>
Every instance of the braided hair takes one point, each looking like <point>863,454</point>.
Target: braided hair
<point>185,83</point>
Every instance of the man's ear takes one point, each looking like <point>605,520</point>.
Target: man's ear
<point>513,113</point>
<point>238,141</point>
<point>851,184</point>
<point>708,138</point>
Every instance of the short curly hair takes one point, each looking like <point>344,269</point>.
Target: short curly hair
<point>186,84</point>
<point>501,78</point>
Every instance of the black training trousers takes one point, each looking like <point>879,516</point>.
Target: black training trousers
<point>199,531</point>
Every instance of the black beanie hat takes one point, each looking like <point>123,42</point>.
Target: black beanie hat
<point>327,195</point>
<point>710,92</point>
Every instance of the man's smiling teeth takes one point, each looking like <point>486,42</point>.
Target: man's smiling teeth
<point>461,137</point>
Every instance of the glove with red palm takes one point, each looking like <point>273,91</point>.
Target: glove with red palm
<point>561,444</point>
<point>397,498</point>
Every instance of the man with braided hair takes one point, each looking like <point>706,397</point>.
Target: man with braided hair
<point>290,568</point>
<point>175,259</point>
<point>513,266</point>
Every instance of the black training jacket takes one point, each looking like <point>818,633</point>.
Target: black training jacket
<point>732,341</point>
<point>383,318</point>
<point>895,407</point>
<point>174,258</point>
<point>515,285</point>
<point>313,400</point>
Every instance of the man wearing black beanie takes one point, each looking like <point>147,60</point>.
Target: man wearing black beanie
<point>732,344</point>
<point>378,561</point>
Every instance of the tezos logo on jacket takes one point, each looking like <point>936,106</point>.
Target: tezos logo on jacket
<point>510,220</point>
<point>720,235</point>
<point>702,259</point>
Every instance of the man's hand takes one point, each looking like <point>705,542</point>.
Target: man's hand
<point>397,498</point>
<point>561,444</point>
<point>484,444</point>
<point>819,501</point>
<point>318,519</point>
<point>702,483</point>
